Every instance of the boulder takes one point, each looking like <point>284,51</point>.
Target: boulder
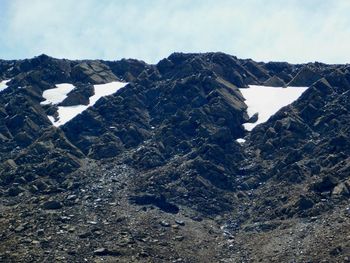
<point>304,203</point>
<point>257,70</point>
<point>323,87</point>
<point>274,81</point>
<point>158,201</point>
<point>165,65</point>
<point>94,72</point>
<point>327,183</point>
<point>304,78</point>
<point>52,205</point>
<point>106,252</point>
<point>15,190</point>
<point>341,190</point>
<point>105,150</point>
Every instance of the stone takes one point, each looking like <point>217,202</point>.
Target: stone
<point>85,234</point>
<point>179,238</point>
<point>254,118</point>
<point>180,222</point>
<point>101,252</point>
<point>305,77</point>
<point>52,205</point>
<point>164,65</point>
<point>40,232</point>
<point>20,228</point>
<point>340,190</point>
<point>106,252</point>
<point>327,183</point>
<point>274,81</point>
<point>71,197</point>
<point>159,201</point>
<point>336,251</point>
<point>164,223</point>
<point>305,203</point>
<point>14,191</point>
<point>144,254</point>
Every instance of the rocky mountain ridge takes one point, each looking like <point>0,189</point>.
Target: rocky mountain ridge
<point>166,144</point>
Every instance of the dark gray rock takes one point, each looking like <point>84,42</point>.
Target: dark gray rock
<point>305,203</point>
<point>274,81</point>
<point>326,184</point>
<point>52,205</point>
<point>15,190</point>
<point>305,77</point>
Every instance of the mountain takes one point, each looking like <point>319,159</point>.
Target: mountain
<point>122,161</point>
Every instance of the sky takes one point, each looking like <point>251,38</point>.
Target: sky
<point>296,31</point>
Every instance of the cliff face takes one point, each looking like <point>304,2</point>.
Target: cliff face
<point>151,170</point>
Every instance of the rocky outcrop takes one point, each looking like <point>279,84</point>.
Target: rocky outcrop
<point>274,81</point>
<point>305,77</point>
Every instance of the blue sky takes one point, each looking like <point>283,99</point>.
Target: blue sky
<point>265,30</point>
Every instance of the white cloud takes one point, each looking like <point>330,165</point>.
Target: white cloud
<point>150,30</point>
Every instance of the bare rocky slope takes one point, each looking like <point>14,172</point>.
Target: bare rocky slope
<point>153,173</point>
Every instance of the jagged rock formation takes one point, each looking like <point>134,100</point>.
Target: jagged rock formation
<point>154,168</point>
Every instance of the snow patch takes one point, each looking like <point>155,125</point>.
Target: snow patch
<point>66,113</point>
<point>3,85</point>
<point>58,94</point>
<point>52,119</point>
<point>102,90</point>
<point>240,140</point>
<point>266,101</point>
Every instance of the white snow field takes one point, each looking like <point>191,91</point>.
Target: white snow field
<point>58,94</point>
<point>3,85</point>
<point>66,113</point>
<point>266,101</point>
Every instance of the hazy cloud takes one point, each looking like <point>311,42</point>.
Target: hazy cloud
<point>291,30</point>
